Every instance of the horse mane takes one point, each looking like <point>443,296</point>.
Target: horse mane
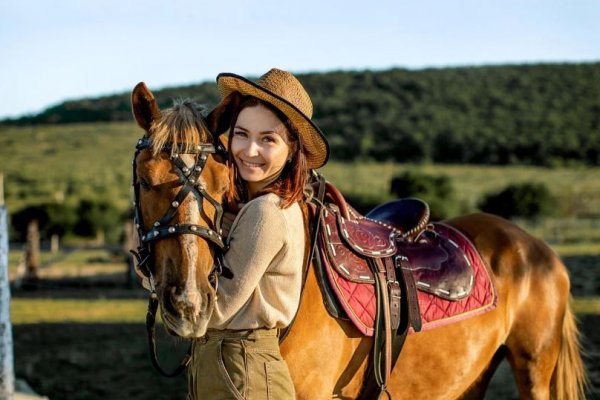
<point>182,126</point>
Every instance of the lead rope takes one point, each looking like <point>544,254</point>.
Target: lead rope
<point>150,324</point>
<point>151,320</point>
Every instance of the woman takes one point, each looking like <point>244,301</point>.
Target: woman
<point>273,144</point>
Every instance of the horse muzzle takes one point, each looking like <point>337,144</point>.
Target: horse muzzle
<point>187,314</point>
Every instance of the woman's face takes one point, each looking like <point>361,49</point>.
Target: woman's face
<point>259,146</point>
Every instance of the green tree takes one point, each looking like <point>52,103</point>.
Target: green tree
<point>98,217</point>
<point>53,219</point>
<point>529,200</point>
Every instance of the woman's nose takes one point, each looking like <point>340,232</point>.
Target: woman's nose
<point>252,148</point>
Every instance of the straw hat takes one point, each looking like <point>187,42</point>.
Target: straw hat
<point>285,92</point>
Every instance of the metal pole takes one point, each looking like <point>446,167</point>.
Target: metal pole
<point>7,372</point>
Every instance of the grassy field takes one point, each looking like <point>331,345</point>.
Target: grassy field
<point>70,263</point>
<point>96,311</point>
<point>577,188</point>
<point>89,311</point>
<point>68,162</point>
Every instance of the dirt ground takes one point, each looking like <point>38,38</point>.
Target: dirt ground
<point>76,361</point>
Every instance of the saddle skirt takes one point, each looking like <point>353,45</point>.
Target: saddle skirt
<point>451,278</point>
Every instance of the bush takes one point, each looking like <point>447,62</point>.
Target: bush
<point>53,219</point>
<point>529,200</point>
<point>62,219</point>
<point>97,216</point>
<point>438,191</point>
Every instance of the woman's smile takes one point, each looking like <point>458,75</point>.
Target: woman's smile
<point>249,164</point>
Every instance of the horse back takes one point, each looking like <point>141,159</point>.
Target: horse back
<point>509,251</point>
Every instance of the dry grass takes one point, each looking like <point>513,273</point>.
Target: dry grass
<point>36,311</point>
<point>587,305</point>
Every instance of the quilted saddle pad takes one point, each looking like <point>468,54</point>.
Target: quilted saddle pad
<point>358,298</point>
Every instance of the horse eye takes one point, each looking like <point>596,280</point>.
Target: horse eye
<point>145,185</point>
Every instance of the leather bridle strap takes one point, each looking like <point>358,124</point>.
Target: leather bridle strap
<point>190,183</point>
<point>189,179</point>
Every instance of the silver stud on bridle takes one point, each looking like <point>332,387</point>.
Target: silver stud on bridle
<point>162,228</point>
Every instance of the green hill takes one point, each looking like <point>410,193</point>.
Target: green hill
<point>545,114</point>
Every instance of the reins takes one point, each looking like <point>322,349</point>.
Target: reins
<point>190,183</point>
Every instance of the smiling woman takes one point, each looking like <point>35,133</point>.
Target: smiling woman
<point>273,144</point>
<point>235,321</point>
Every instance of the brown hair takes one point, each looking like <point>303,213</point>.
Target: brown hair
<point>294,176</point>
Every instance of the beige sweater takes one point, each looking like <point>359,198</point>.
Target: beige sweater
<point>265,255</point>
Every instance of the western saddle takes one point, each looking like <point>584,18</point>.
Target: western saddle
<point>390,251</point>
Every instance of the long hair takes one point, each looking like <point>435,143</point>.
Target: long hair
<point>289,186</point>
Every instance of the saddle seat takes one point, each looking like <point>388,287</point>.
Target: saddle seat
<point>408,215</point>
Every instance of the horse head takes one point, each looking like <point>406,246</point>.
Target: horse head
<point>180,178</point>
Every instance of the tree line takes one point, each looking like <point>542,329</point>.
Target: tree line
<point>542,114</point>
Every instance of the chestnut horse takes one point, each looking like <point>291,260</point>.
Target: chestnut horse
<point>532,326</point>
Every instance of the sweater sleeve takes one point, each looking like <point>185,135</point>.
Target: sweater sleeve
<point>256,239</point>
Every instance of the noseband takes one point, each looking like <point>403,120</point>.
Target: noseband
<point>190,183</point>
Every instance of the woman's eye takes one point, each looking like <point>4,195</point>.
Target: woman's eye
<point>268,139</point>
<point>240,133</point>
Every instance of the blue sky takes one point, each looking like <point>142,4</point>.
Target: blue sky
<point>66,49</point>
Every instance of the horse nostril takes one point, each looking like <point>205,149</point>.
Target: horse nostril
<point>169,302</point>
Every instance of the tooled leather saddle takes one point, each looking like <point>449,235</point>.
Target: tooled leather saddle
<point>379,270</point>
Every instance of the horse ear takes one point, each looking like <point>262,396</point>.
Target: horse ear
<point>219,119</point>
<point>143,104</point>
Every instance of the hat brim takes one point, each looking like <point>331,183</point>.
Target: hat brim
<point>314,142</point>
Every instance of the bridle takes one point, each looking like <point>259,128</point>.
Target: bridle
<point>189,181</point>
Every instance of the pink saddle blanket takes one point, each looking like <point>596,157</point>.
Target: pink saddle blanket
<point>358,298</point>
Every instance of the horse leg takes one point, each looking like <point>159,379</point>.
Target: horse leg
<point>535,339</point>
<point>479,387</point>
<point>543,340</point>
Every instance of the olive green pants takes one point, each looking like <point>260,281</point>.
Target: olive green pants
<point>241,365</point>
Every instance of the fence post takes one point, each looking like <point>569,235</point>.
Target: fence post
<point>7,373</point>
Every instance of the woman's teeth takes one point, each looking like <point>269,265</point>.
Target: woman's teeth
<point>251,165</point>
